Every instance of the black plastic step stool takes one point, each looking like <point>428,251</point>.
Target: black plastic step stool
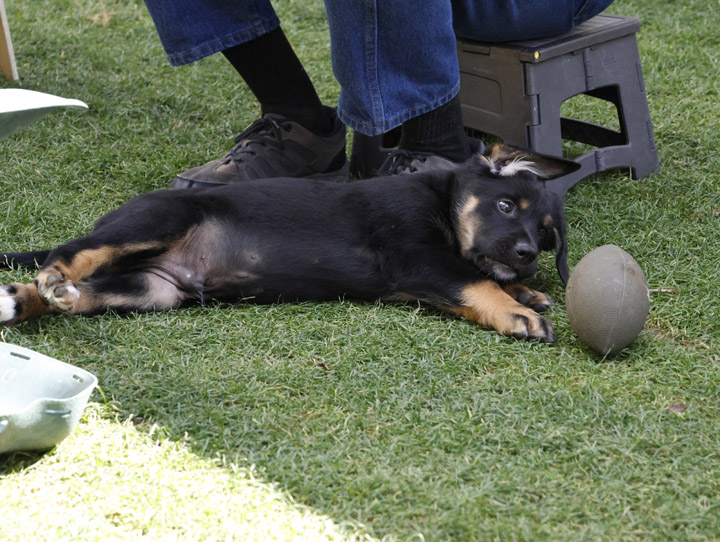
<point>515,90</point>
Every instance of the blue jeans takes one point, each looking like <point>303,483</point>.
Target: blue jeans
<point>394,59</point>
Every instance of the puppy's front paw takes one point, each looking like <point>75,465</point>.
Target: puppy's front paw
<point>56,290</point>
<point>510,310</point>
<point>529,325</point>
<point>537,301</point>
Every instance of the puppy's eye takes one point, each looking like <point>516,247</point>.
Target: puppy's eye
<point>542,232</point>
<point>506,206</point>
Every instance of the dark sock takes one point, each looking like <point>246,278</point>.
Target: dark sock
<point>439,131</point>
<point>278,80</point>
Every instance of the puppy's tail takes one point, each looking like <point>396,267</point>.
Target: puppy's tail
<point>32,259</point>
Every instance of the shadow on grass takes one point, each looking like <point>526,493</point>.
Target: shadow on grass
<point>362,412</point>
<point>13,462</point>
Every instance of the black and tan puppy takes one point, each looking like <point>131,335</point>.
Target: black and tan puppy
<point>460,241</point>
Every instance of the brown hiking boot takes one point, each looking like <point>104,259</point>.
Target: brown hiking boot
<point>274,146</point>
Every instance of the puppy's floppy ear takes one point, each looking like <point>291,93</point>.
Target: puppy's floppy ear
<point>561,248</point>
<point>555,238</point>
<point>561,251</point>
<point>504,161</point>
<point>552,167</point>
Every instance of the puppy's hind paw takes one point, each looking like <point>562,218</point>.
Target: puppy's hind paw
<point>56,290</point>
<point>8,304</point>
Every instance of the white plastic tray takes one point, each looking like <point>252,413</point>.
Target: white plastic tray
<point>41,398</point>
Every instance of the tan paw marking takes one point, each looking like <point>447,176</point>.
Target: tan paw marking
<point>56,290</point>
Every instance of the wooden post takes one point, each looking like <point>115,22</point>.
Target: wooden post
<point>7,56</point>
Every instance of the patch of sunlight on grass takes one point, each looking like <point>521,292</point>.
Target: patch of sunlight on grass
<point>110,481</point>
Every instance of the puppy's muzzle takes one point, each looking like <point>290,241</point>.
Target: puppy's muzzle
<point>525,253</point>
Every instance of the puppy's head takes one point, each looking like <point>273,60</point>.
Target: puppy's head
<point>505,215</point>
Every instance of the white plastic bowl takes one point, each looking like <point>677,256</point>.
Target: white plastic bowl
<point>41,398</point>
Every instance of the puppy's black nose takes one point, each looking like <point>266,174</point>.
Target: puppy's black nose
<point>525,252</point>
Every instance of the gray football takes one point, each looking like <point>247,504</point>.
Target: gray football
<point>607,299</point>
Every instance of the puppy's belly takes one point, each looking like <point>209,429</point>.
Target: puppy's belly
<point>227,261</point>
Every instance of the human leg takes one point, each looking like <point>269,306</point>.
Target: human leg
<point>190,30</point>
<point>394,60</point>
<point>397,60</point>
<point>401,69</point>
<point>439,131</point>
<point>297,135</point>
<point>277,78</point>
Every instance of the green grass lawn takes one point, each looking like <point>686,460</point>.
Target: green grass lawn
<point>357,421</point>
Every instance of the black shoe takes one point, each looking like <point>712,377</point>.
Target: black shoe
<point>274,146</point>
<point>405,162</point>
